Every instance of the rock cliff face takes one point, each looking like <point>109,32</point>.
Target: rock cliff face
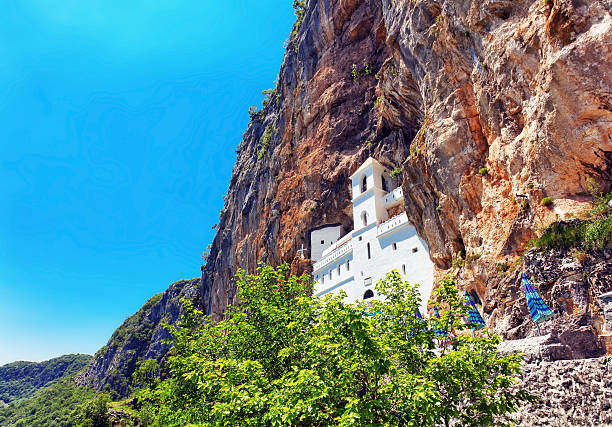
<point>571,392</point>
<point>137,339</point>
<point>487,106</point>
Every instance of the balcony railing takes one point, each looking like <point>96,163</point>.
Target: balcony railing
<point>346,248</point>
<point>394,197</point>
<point>391,224</point>
<point>343,241</point>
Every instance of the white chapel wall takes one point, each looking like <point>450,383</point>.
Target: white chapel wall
<point>323,238</point>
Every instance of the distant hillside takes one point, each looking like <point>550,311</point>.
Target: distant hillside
<point>19,380</point>
<point>138,338</point>
<point>52,406</point>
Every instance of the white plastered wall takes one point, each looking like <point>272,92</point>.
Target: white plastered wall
<point>327,235</point>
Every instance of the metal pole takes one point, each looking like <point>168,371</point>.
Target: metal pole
<point>539,335</point>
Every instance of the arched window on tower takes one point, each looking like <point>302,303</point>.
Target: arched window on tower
<point>364,184</point>
<point>384,183</point>
<point>368,294</point>
<point>369,254</point>
<point>364,218</point>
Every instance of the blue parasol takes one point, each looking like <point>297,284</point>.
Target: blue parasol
<point>438,332</point>
<point>474,316</point>
<point>538,309</point>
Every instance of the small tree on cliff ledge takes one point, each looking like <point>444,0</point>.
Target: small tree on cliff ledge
<point>283,357</point>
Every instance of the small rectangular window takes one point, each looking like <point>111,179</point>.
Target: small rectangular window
<point>415,250</point>
<point>322,242</point>
<point>403,268</point>
<point>369,254</point>
<point>338,269</point>
<point>348,267</point>
<point>394,246</point>
<point>360,237</point>
<point>330,274</point>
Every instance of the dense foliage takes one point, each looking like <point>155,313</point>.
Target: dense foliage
<point>283,357</point>
<point>19,380</point>
<point>92,413</point>
<point>53,406</point>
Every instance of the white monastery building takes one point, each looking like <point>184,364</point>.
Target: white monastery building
<point>382,240</point>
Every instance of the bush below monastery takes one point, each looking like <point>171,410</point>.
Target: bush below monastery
<point>283,357</point>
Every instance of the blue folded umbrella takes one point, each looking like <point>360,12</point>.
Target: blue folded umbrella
<point>474,316</point>
<point>538,309</point>
<point>438,332</point>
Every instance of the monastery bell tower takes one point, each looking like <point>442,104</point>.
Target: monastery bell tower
<point>370,183</point>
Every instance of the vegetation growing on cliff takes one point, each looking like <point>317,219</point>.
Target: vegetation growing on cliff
<point>593,234</point>
<point>283,357</point>
<point>264,142</point>
<point>300,9</point>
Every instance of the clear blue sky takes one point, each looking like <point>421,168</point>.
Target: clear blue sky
<point>118,125</point>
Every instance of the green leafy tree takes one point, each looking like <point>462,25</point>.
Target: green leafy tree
<point>282,357</point>
<point>93,413</point>
<point>146,373</point>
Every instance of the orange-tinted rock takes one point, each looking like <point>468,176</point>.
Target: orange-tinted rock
<point>439,89</point>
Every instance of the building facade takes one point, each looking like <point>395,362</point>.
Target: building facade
<point>382,240</point>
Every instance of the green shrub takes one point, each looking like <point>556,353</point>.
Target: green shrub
<point>600,205</point>
<point>395,172</point>
<point>146,373</point>
<point>299,7</point>
<point>255,114</point>
<point>587,235</point>
<point>354,72</point>
<point>598,234</point>
<point>483,171</point>
<point>459,260</point>
<point>264,142</point>
<point>546,201</point>
<point>94,413</point>
<point>367,67</point>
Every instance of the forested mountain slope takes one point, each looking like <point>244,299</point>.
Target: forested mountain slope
<point>19,380</point>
